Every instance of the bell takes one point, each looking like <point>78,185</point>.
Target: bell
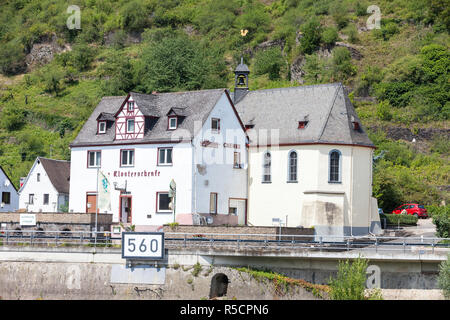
<point>241,81</point>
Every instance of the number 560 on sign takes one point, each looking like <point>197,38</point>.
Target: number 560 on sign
<point>143,245</point>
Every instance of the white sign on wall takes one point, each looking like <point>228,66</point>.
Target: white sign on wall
<point>143,245</point>
<point>27,219</point>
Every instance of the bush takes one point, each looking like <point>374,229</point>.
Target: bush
<point>269,62</point>
<point>444,277</point>
<point>350,282</point>
<point>384,111</point>
<point>341,64</point>
<point>329,35</point>
<point>312,32</point>
<point>399,219</point>
<point>441,218</point>
<point>12,58</point>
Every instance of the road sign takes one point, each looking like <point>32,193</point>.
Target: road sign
<point>143,245</point>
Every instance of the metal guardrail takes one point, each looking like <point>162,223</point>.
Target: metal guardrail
<point>174,240</point>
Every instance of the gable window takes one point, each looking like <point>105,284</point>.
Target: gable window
<point>126,158</point>
<point>237,160</point>
<point>130,125</point>
<point>6,197</point>
<point>334,166</point>
<point>162,202</point>
<point>164,156</point>
<point>31,198</point>
<point>173,123</point>
<point>46,198</point>
<point>292,167</point>
<point>215,124</point>
<point>101,127</point>
<point>38,177</point>
<point>267,163</point>
<point>213,203</point>
<point>94,159</point>
<point>130,106</point>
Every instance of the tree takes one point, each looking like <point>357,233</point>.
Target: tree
<point>329,35</point>
<point>270,62</point>
<point>117,72</point>
<point>178,63</point>
<point>12,58</point>
<point>341,63</point>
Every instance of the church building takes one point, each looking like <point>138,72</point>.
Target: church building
<point>310,159</point>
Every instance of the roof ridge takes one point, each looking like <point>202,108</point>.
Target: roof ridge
<point>329,111</point>
<point>300,87</point>
<point>53,159</point>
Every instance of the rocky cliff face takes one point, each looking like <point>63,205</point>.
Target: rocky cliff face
<point>43,52</point>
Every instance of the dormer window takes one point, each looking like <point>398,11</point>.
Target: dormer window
<point>101,126</point>
<point>130,106</point>
<point>302,124</point>
<point>173,123</point>
<point>249,126</point>
<point>130,126</point>
<point>355,125</point>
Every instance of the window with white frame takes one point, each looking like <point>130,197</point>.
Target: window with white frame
<point>127,158</point>
<point>130,106</point>
<point>173,123</point>
<point>267,163</point>
<point>130,125</point>
<point>38,177</point>
<point>31,198</point>
<point>334,166</point>
<point>94,159</point>
<point>162,202</point>
<point>102,127</point>
<point>165,156</point>
<point>292,167</point>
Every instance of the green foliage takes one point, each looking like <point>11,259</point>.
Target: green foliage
<point>352,32</point>
<point>117,71</point>
<point>441,218</point>
<point>399,219</point>
<point>444,277</point>
<point>269,62</point>
<point>384,111</point>
<point>197,269</point>
<point>329,35</point>
<point>178,63</point>
<point>350,281</point>
<point>312,32</point>
<point>342,66</point>
<point>12,58</point>
<point>441,145</point>
<point>134,15</point>
<point>339,12</point>
<point>12,119</point>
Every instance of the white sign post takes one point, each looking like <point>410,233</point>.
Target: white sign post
<point>143,245</point>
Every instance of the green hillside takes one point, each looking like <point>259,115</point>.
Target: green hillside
<point>398,75</point>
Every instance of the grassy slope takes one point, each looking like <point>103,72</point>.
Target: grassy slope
<point>45,112</point>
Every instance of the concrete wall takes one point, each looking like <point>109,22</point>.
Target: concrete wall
<point>35,280</point>
<point>58,221</point>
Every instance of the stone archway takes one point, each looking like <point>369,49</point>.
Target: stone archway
<point>219,286</point>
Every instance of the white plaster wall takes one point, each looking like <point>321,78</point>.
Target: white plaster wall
<point>279,198</point>
<point>8,187</point>
<point>143,189</point>
<point>32,186</point>
<point>221,177</point>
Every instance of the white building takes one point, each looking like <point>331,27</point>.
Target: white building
<point>310,159</point>
<point>144,141</point>
<point>9,201</point>
<point>46,187</point>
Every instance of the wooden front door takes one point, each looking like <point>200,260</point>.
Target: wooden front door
<point>91,202</point>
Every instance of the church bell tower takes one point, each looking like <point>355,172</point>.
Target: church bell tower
<point>240,81</point>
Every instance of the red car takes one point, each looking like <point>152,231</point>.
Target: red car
<point>414,209</point>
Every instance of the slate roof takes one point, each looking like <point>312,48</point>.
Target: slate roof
<point>326,107</point>
<point>194,105</point>
<point>58,172</point>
